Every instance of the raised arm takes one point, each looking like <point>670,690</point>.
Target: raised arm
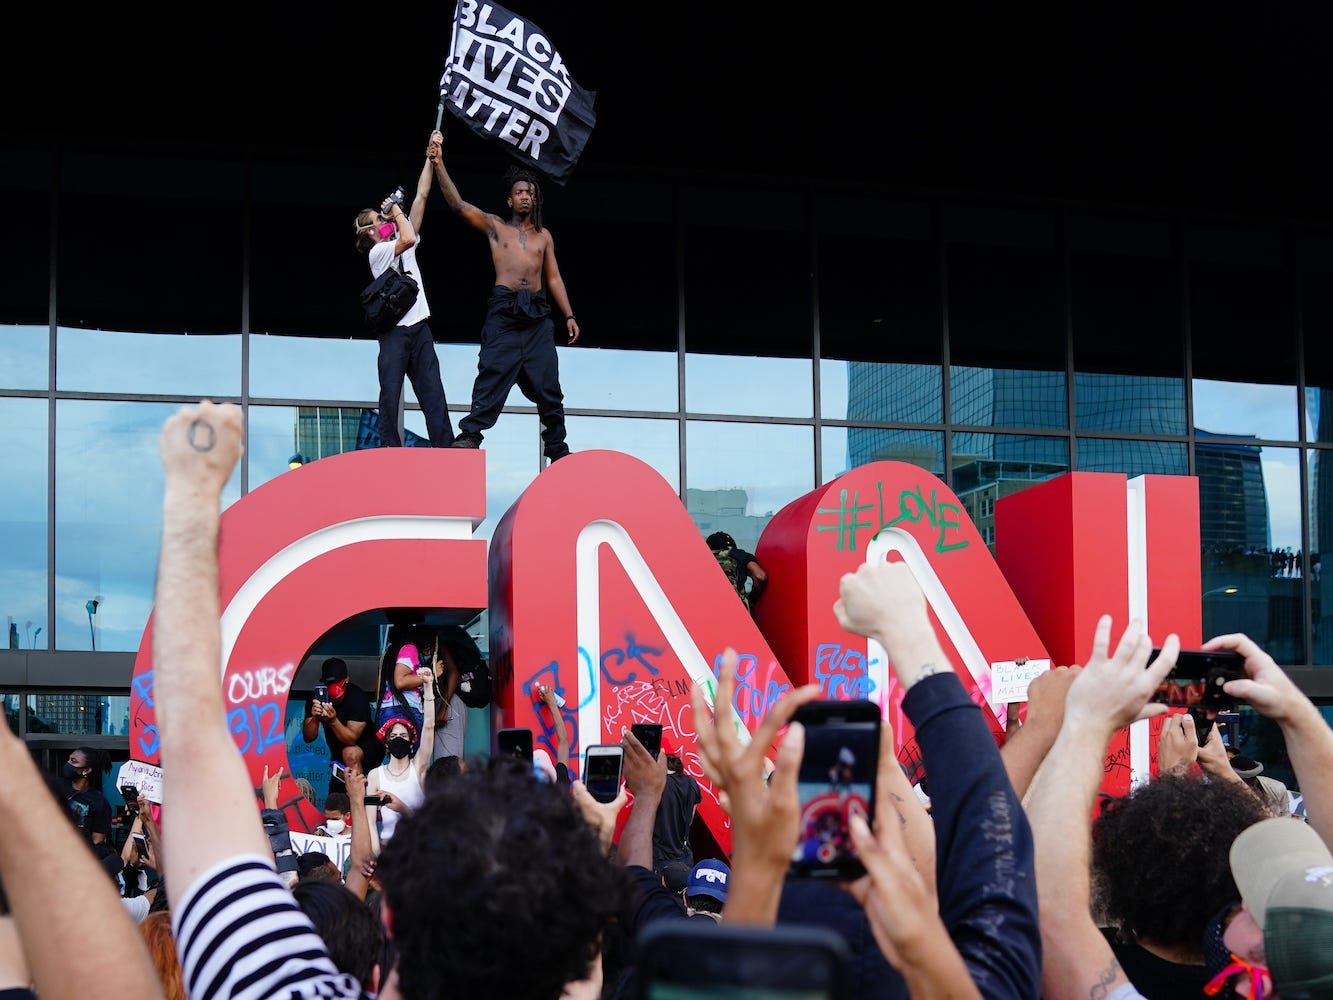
<point>470,214</point>
<point>979,825</point>
<point>362,859</point>
<point>418,210</point>
<point>1110,692</point>
<point>1309,739</point>
<point>1029,742</point>
<point>213,815</point>
<point>422,760</point>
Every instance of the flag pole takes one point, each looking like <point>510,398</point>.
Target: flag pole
<point>448,63</point>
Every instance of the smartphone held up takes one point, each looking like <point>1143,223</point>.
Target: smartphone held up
<point>835,783</point>
<point>1198,679</point>
<point>603,764</point>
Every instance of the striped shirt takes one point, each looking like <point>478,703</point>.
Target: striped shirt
<point>241,936</point>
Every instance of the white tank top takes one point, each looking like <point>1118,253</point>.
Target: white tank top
<point>409,791</point>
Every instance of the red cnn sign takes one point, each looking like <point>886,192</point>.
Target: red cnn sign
<point>599,584</point>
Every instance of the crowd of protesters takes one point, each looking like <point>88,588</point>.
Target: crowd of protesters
<point>509,880</point>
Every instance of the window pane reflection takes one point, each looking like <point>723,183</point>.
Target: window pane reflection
<point>754,387</point>
<point>513,458</point>
<point>1317,321</point>
<point>279,433</point>
<point>865,390</point>
<point>109,520</point>
<point>987,467</point>
<point>1125,295</point>
<point>739,475</point>
<point>1250,529</point>
<point>1133,458</point>
<point>655,442</point>
<point>313,368</point>
<point>619,380</point>
<point>80,715</point>
<point>1136,404</point>
<point>25,357</point>
<point>168,364</point>
<point>1000,397</point>
<point>1267,412</point>
<point>23,521</point>
<point>845,448</point>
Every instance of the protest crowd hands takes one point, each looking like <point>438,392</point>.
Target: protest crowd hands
<point>601,816</point>
<point>1046,697</point>
<point>1178,744</point>
<point>764,814</point>
<point>645,775</point>
<point>884,601</point>
<point>1268,689</point>
<point>1114,689</point>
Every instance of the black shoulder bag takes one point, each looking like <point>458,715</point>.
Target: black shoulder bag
<point>387,299</point>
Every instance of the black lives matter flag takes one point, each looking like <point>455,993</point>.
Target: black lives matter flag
<point>506,80</point>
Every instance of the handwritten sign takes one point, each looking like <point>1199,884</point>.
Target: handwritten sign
<point>337,848</point>
<point>1010,679</point>
<point>147,778</point>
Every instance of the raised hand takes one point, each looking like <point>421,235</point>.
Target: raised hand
<point>200,447</point>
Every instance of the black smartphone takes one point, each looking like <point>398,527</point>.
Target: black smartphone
<point>1197,679</point>
<point>1203,724</point>
<point>650,735</point>
<point>140,845</point>
<point>322,693</point>
<point>374,800</point>
<point>514,743</point>
<point>836,781</point>
<point>680,960</point>
<point>130,794</point>
<point>602,767</point>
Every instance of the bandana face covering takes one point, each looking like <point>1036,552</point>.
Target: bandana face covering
<point>1226,967</point>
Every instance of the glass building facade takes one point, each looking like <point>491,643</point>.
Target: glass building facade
<point>994,345</point>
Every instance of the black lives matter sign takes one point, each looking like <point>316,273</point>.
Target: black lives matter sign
<point>506,80</point>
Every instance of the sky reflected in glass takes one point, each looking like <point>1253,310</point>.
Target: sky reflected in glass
<point>1268,412</point>
<point>109,519</point>
<point>23,522</point>
<point>166,364</point>
<point>24,357</point>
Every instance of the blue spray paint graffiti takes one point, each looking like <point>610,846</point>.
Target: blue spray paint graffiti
<point>841,672</point>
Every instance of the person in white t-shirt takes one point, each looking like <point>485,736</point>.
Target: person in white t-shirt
<point>389,237</point>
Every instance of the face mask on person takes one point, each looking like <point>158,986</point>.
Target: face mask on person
<point>387,230</point>
<point>1227,970</point>
<point>70,772</point>
<point>337,690</point>
<point>399,747</point>
<point>335,826</point>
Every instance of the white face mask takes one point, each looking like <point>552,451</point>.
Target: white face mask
<point>335,826</point>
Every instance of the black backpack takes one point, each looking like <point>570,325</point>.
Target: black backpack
<point>475,687</point>
<point>731,566</point>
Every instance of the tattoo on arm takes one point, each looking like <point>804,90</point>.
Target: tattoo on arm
<point>202,436</point>
<point>1102,988</point>
<point>927,669</point>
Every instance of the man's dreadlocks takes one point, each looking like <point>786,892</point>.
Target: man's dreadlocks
<point>515,174</point>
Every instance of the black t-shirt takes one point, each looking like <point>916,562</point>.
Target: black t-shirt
<point>671,828</point>
<point>354,706</point>
<point>1154,977</point>
<point>91,811</point>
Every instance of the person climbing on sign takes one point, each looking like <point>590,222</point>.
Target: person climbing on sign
<point>740,566</point>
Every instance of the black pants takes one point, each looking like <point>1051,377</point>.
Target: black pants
<point>410,351</point>
<point>518,348</point>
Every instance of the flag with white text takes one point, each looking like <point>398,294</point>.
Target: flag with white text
<point>507,81</point>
